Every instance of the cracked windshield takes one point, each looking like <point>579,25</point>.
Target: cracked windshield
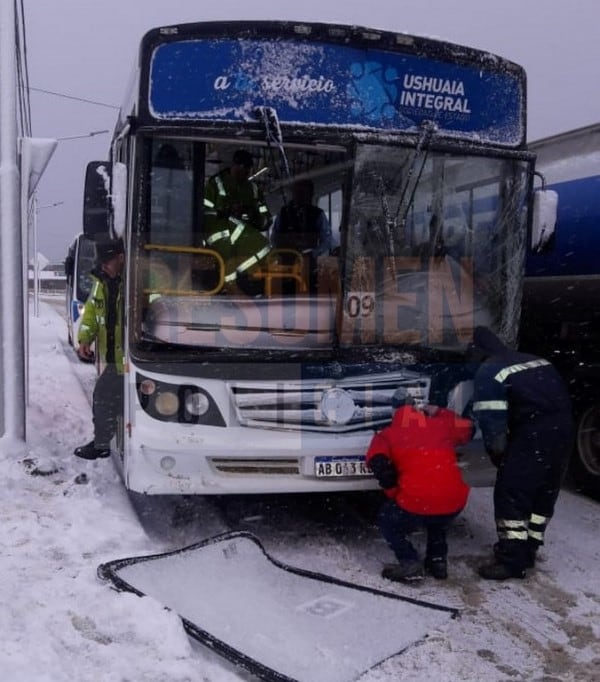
<point>312,248</point>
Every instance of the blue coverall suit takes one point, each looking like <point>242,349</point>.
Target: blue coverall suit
<point>524,410</point>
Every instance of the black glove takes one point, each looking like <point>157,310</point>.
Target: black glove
<point>496,449</point>
<point>384,471</point>
<point>497,458</point>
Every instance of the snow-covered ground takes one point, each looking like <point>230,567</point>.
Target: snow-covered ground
<point>61,517</point>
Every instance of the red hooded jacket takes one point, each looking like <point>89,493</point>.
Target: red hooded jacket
<point>422,448</point>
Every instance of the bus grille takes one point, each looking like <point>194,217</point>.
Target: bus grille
<point>231,465</point>
<point>334,407</point>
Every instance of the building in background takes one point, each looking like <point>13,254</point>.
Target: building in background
<point>52,278</point>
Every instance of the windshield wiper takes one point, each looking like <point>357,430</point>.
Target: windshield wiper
<point>429,128</point>
<point>274,138</point>
<point>407,193</point>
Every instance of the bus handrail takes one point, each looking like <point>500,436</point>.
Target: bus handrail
<point>192,250</point>
<point>281,271</point>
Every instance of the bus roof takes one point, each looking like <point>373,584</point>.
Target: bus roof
<point>327,76</point>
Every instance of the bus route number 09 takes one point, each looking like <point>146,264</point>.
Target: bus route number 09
<point>359,304</point>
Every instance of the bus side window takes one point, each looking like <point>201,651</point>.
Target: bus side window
<point>69,266</point>
<point>331,203</point>
<point>172,195</point>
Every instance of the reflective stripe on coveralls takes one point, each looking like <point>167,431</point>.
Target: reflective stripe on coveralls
<point>509,529</point>
<point>537,526</point>
<point>216,236</point>
<point>220,186</point>
<point>253,260</point>
<point>490,405</point>
<point>209,207</point>
<point>239,228</point>
<point>519,367</point>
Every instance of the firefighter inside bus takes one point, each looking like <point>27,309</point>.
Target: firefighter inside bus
<point>303,227</point>
<point>236,217</point>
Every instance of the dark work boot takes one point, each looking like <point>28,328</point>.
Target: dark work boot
<point>528,559</point>
<point>500,571</point>
<point>406,571</point>
<point>437,567</point>
<point>90,451</point>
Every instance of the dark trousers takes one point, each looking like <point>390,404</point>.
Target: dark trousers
<point>107,405</point>
<point>528,483</point>
<point>396,523</point>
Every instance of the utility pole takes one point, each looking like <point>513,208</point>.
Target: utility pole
<point>12,356</point>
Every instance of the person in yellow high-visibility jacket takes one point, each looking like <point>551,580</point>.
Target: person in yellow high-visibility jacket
<point>235,217</point>
<point>102,323</point>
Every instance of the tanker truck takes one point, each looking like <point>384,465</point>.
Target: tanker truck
<point>561,300</point>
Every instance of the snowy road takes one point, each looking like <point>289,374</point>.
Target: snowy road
<point>59,527</point>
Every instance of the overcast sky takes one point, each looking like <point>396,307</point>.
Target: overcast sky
<point>86,49</point>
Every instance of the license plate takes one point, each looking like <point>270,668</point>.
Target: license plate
<point>338,467</point>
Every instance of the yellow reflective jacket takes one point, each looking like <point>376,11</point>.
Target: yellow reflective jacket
<point>94,320</point>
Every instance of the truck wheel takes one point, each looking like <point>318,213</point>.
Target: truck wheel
<point>585,464</point>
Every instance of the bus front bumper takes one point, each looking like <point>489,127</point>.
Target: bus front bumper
<point>224,461</point>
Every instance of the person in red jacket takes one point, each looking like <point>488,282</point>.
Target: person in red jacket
<point>414,461</point>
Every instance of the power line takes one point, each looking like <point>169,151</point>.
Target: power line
<point>22,69</point>
<point>93,133</point>
<point>77,99</point>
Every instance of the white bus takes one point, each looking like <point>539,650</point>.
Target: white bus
<point>416,150</point>
<point>78,267</point>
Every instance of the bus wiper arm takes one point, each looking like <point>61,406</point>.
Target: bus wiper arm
<point>391,222</point>
<point>273,135</point>
<point>429,128</point>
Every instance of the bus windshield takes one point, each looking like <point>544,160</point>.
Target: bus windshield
<point>417,251</point>
<point>432,246</point>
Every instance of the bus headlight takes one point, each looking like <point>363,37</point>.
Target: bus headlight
<point>166,403</point>
<point>183,403</point>
<point>197,404</point>
<point>147,387</point>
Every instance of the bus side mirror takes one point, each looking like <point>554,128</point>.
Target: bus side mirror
<point>545,209</point>
<point>96,205</point>
<point>118,197</point>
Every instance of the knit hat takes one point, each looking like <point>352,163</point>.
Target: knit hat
<point>106,250</point>
<point>401,398</point>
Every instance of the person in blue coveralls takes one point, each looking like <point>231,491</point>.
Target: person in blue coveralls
<point>524,411</point>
